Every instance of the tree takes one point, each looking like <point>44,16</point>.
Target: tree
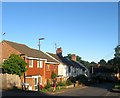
<point>78,58</point>
<point>14,65</point>
<point>117,51</point>
<point>93,63</point>
<point>69,56</point>
<point>102,62</point>
<point>117,58</point>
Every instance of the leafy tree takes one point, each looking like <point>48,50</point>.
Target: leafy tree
<point>53,75</point>
<point>78,58</point>
<point>14,65</point>
<point>93,63</point>
<point>102,62</point>
<point>117,51</point>
<point>110,62</point>
<point>116,62</point>
<point>85,63</point>
<point>69,56</point>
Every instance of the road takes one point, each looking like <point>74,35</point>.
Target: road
<point>103,89</point>
<point>94,90</point>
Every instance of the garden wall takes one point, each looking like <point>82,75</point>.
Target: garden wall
<point>8,81</point>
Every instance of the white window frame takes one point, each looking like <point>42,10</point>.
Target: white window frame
<point>31,66</point>
<point>41,64</point>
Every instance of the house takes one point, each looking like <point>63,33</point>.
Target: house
<point>39,65</point>
<point>68,68</point>
<point>62,67</point>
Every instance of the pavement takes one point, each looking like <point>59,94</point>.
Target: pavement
<point>66,90</point>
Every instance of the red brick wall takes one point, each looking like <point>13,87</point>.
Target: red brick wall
<point>34,70</point>
<point>52,67</point>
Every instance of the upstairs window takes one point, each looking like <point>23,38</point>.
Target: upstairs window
<point>41,64</point>
<point>47,67</point>
<point>31,63</point>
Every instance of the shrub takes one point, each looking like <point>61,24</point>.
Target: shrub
<point>53,75</point>
<point>48,85</point>
<point>68,82</point>
<point>61,83</point>
<point>82,79</point>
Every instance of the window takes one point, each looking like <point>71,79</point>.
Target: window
<point>41,63</point>
<point>47,67</point>
<point>31,63</point>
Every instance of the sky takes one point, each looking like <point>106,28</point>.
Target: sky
<point>87,29</point>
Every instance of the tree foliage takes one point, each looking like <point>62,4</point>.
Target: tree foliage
<point>117,51</point>
<point>14,65</point>
<point>69,56</point>
<point>79,59</point>
<point>102,62</point>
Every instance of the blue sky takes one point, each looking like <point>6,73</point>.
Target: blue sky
<point>89,30</point>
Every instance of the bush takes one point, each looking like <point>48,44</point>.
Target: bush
<point>61,83</point>
<point>82,79</point>
<point>48,85</point>
<point>68,82</point>
<point>53,75</point>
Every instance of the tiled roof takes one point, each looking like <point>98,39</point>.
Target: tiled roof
<point>67,61</point>
<point>54,56</point>
<point>23,49</point>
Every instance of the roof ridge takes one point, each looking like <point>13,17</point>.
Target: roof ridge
<point>14,42</point>
<point>23,48</point>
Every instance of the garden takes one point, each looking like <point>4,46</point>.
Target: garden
<point>70,82</point>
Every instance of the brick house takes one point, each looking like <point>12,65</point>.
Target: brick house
<point>39,65</point>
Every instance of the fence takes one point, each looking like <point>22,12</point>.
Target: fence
<point>8,81</point>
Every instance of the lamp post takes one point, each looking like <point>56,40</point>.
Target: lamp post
<point>39,64</point>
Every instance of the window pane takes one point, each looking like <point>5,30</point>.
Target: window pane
<point>30,63</point>
<point>41,63</point>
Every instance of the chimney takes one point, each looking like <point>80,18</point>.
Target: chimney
<point>74,57</point>
<point>59,51</point>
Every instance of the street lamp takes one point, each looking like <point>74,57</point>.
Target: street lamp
<point>39,64</point>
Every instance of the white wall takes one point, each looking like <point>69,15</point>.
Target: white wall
<point>62,70</point>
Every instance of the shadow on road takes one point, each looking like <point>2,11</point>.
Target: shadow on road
<point>22,93</point>
<point>104,85</point>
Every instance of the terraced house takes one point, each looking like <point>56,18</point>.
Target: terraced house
<point>68,68</point>
<point>40,65</point>
<point>35,74</point>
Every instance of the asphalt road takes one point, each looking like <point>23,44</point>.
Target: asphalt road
<point>94,90</point>
<point>103,89</point>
